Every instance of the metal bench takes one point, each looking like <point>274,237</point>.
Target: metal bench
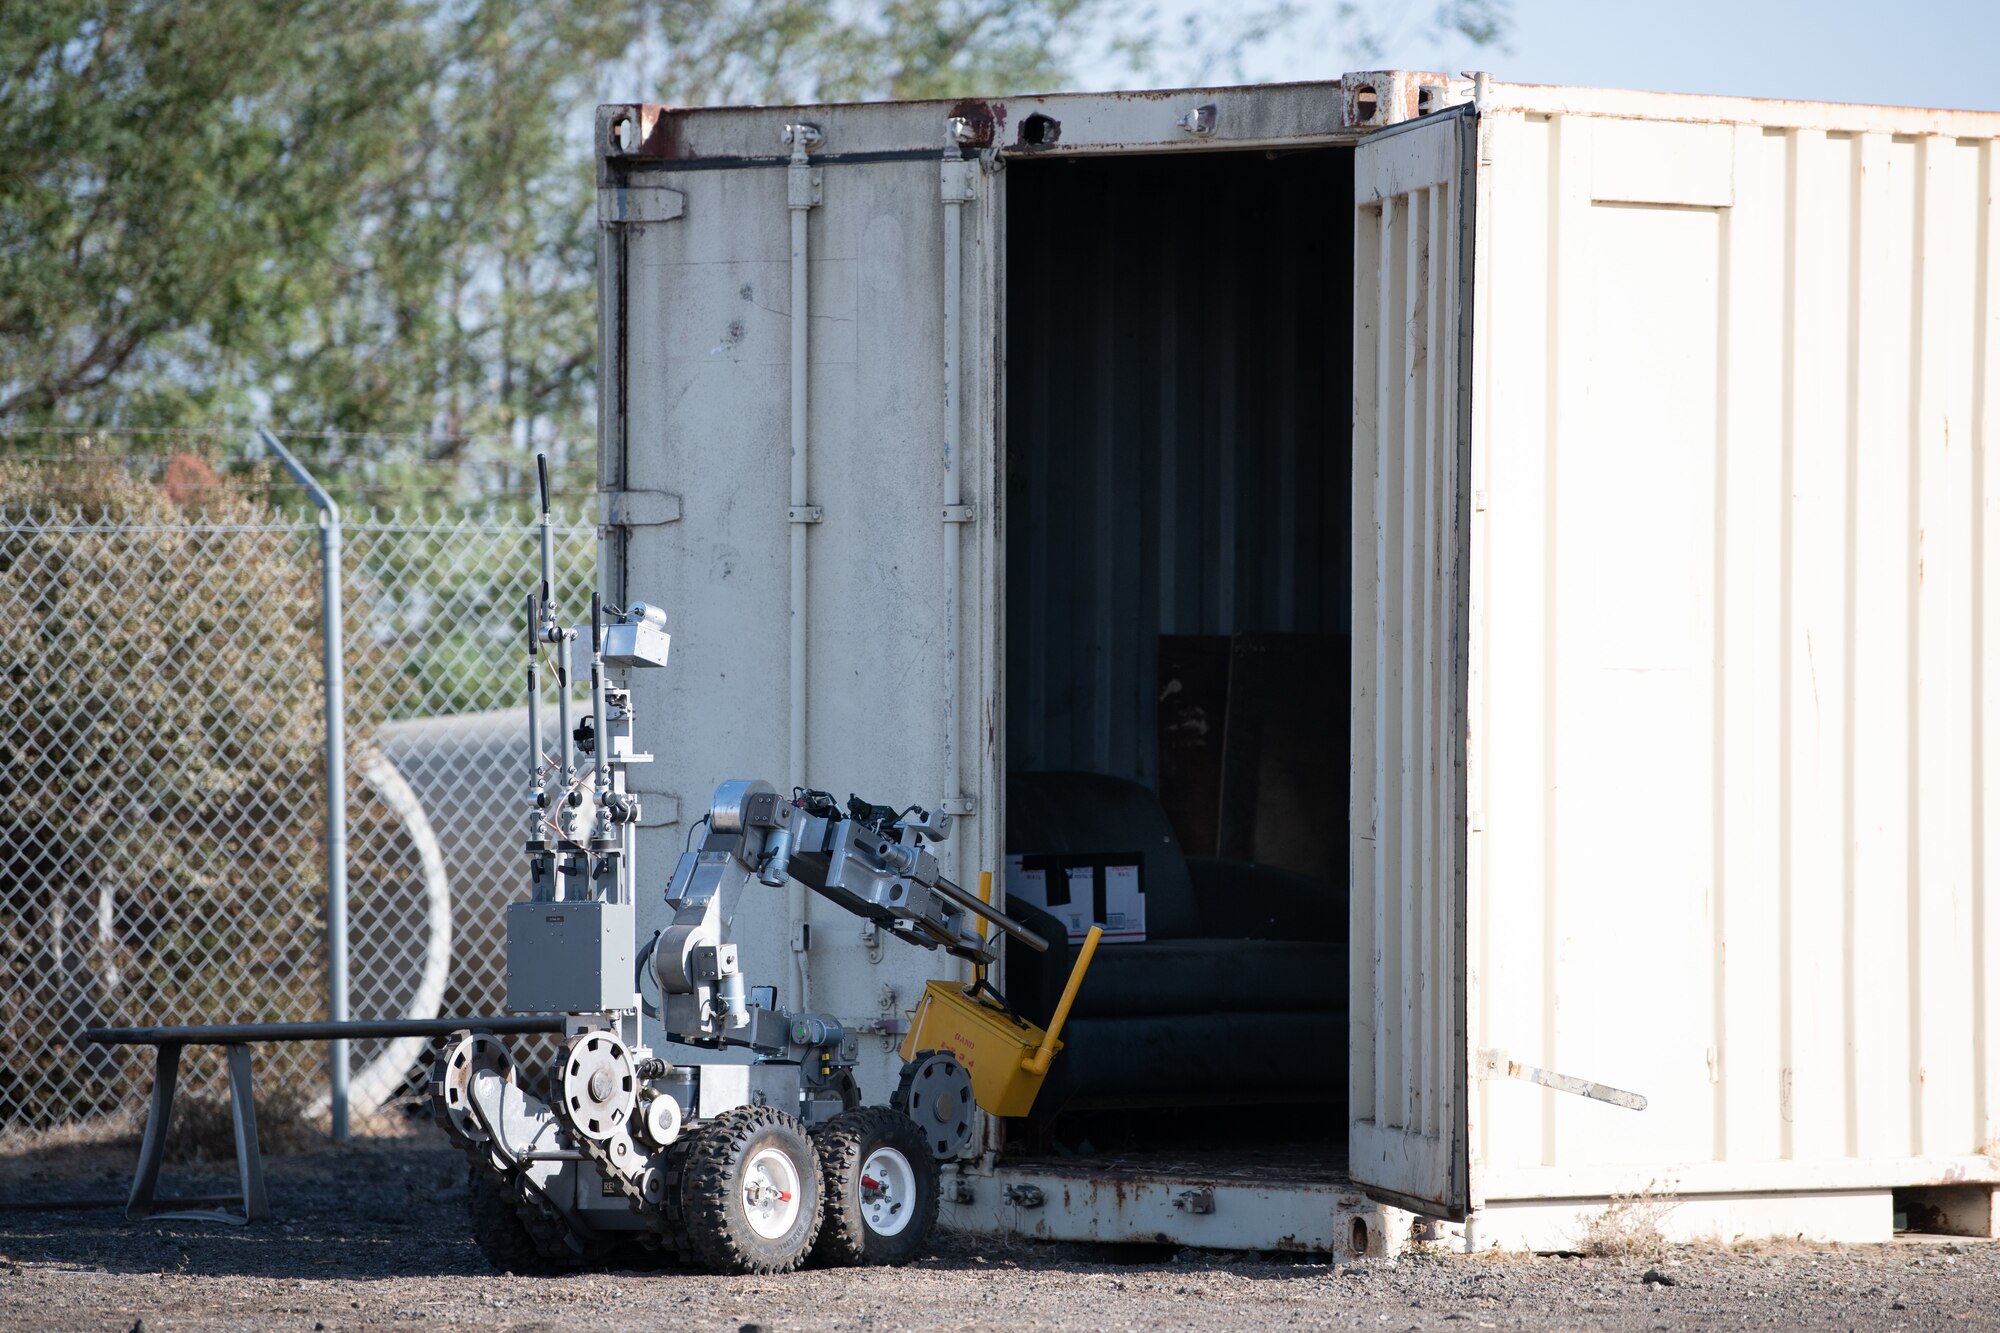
<point>236,1040</point>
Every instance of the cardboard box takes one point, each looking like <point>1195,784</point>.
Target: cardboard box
<point>1105,890</point>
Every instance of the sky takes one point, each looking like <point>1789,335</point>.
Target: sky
<point>1938,53</point>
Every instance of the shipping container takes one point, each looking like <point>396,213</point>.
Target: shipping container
<point>1509,566</point>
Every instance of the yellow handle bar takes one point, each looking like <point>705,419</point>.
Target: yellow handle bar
<point>1037,1061</point>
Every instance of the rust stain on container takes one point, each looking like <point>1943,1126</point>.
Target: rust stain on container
<point>666,137</point>
<point>984,118</point>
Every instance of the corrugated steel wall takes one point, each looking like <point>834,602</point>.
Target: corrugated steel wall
<point>1176,428</point>
<point>1735,581</point>
<point>702,348</point>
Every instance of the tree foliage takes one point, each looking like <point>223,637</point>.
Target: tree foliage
<point>374,217</point>
<point>176,178</point>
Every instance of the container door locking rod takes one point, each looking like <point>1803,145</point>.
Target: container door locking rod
<point>1495,1064</point>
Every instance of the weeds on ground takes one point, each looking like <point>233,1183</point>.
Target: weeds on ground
<point>204,1130</point>
<point>1629,1228</point>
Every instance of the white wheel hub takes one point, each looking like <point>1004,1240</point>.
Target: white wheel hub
<point>662,1120</point>
<point>771,1193</point>
<point>599,1087</point>
<point>888,1188</point>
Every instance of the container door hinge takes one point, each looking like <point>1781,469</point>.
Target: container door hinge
<point>960,805</point>
<point>958,180</point>
<point>802,186</point>
<point>639,203</point>
<point>637,509</point>
<point>961,513</point>
<point>806,514</point>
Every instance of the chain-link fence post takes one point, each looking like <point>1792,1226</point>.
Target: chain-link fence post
<point>333,659</point>
<point>164,789</point>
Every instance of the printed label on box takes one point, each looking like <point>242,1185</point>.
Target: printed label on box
<point>1083,890</point>
<point>1124,913</point>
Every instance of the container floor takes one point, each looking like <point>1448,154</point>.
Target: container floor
<point>1224,1181</point>
<point>1301,1161</point>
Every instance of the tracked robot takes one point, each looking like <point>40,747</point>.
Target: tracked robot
<point>733,1166</point>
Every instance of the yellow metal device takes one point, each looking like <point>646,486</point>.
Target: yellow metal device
<point>1007,1057</point>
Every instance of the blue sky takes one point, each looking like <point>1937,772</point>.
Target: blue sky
<point>1919,52</point>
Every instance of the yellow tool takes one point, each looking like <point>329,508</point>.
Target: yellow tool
<point>1007,1057</point>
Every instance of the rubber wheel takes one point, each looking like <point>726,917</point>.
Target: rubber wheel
<point>503,1235</point>
<point>881,1188</point>
<point>750,1192</point>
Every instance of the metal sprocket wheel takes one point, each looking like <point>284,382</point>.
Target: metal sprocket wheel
<point>597,1085</point>
<point>935,1092</point>
<point>451,1082</point>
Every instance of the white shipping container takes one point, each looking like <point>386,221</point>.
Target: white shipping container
<point>1661,569</point>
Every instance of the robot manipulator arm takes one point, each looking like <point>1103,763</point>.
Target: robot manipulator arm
<point>701,979</point>
<point>868,859</point>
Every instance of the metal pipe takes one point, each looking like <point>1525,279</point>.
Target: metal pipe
<point>989,913</point>
<point>559,635</point>
<point>333,667</point>
<point>236,1034</point>
<point>598,746</point>
<point>334,659</point>
<point>548,539</point>
<point>954,196</point>
<point>541,863</point>
<point>601,840</point>
<point>534,702</point>
<point>799,203</point>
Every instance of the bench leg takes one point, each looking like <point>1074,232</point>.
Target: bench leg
<point>249,1158</point>
<point>153,1146</point>
<point>166,1076</point>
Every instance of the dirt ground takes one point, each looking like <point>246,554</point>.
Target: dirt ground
<point>374,1236</point>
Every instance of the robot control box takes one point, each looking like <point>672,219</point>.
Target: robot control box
<point>569,957</point>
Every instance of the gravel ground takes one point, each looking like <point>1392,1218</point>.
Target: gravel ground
<point>374,1237</point>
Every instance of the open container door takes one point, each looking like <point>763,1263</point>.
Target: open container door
<point>1413,248</point>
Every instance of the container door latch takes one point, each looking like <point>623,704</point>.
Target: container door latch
<point>1495,1064</point>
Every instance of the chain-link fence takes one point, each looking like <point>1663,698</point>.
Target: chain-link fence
<point>162,801</point>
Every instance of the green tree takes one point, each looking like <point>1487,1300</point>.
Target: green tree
<point>175,184</point>
<point>375,218</point>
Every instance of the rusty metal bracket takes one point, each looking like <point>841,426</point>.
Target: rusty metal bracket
<point>803,186</point>
<point>958,181</point>
<point>1199,1201</point>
